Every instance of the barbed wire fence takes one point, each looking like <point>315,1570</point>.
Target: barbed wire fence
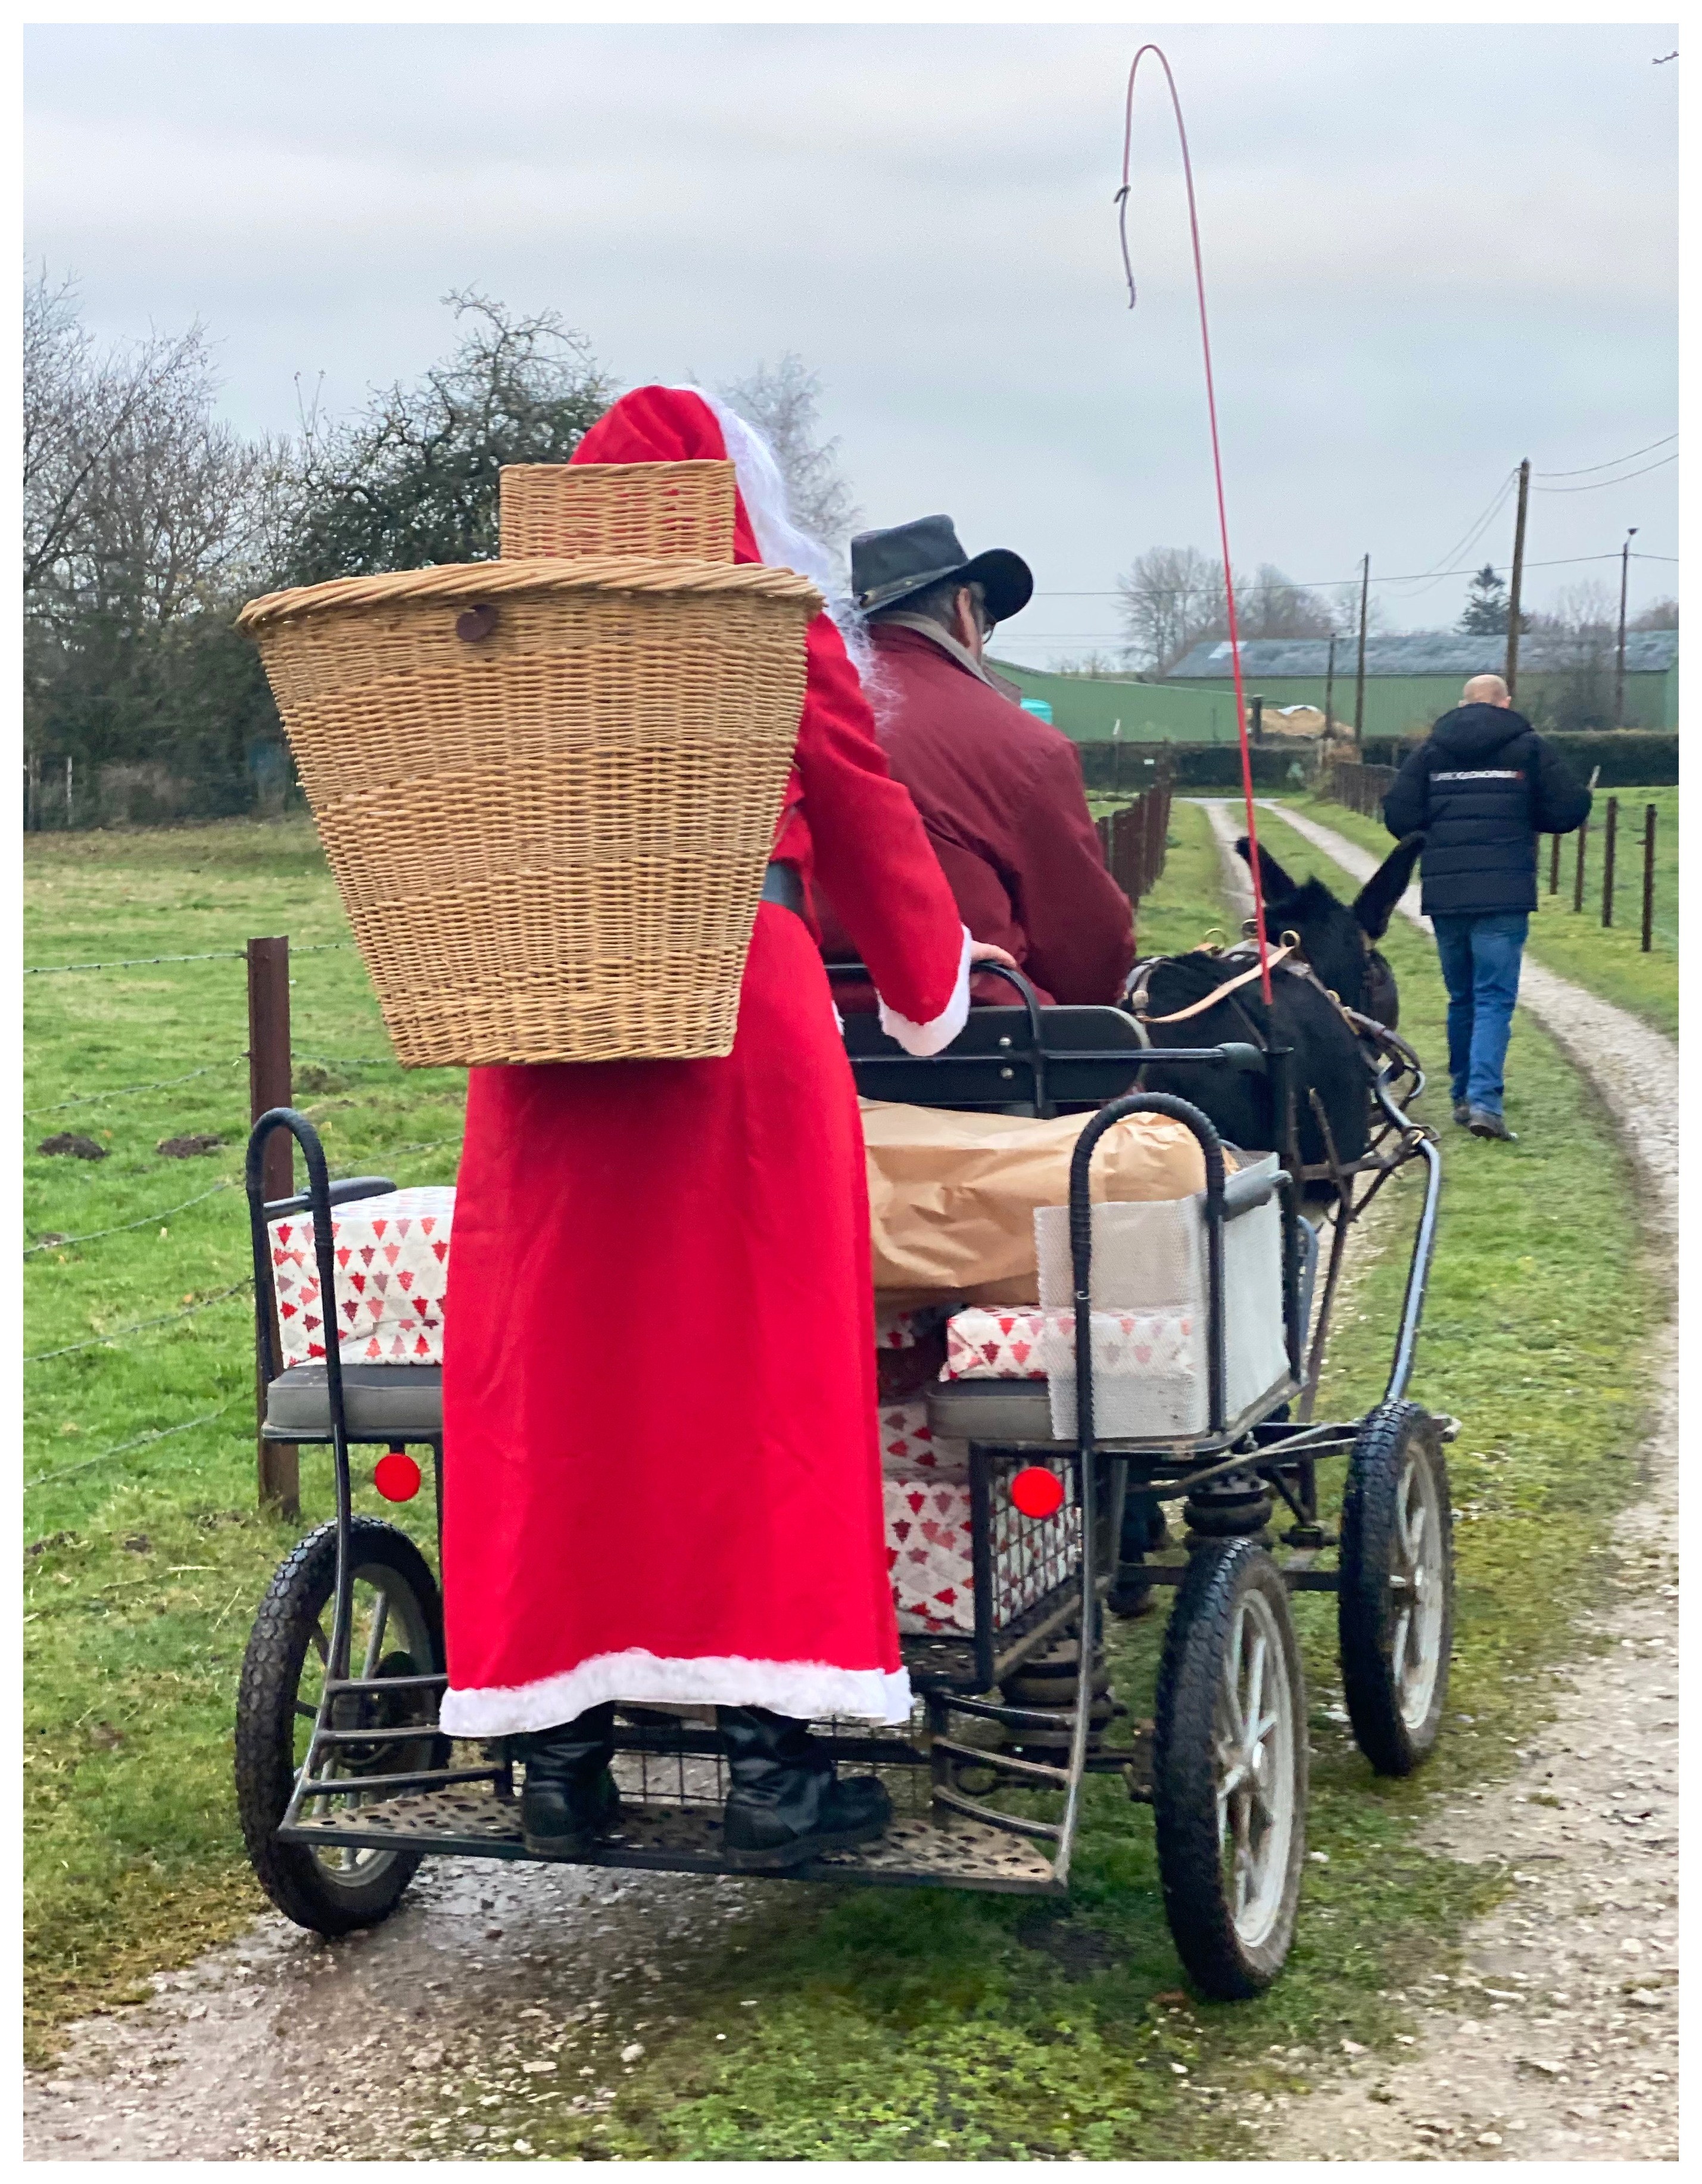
<point>270,1083</point>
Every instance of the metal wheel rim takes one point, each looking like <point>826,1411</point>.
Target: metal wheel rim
<point>1254,1748</point>
<point>386,1616</point>
<point>1417,1586</point>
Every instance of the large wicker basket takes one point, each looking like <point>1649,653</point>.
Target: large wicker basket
<point>547,790</point>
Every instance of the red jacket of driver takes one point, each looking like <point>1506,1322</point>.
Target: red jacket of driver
<point>1000,795</point>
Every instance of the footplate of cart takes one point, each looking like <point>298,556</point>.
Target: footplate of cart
<point>475,1822</point>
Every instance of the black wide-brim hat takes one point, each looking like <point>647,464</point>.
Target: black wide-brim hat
<point>890,566</point>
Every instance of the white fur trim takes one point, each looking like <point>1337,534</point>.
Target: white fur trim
<point>940,1030</point>
<point>808,1690</point>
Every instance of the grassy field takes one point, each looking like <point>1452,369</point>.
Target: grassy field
<point>1609,960</point>
<point>907,2026</point>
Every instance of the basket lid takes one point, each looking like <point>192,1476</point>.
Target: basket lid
<point>476,583</point>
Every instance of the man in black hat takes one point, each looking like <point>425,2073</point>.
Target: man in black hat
<point>999,791</point>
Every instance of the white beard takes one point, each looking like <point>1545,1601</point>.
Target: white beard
<point>781,541</point>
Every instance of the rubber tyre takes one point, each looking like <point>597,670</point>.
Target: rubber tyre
<point>1226,1964</point>
<point>1396,1737</point>
<point>299,1596</point>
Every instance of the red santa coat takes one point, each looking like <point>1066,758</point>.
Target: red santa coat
<point>1000,794</point>
<point>662,1480</point>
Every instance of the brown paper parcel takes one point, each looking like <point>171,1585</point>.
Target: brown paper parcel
<point>952,1196</point>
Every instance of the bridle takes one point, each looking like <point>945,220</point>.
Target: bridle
<point>1290,956</point>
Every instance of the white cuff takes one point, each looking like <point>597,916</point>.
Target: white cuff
<point>940,1030</point>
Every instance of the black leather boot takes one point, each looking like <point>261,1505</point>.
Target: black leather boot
<point>787,1805</point>
<point>568,1796</point>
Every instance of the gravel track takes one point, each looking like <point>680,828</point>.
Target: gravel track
<point>496,1987</point>
<point>1559,2041</point>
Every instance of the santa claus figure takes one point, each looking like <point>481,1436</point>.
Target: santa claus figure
<point>662,1478</point>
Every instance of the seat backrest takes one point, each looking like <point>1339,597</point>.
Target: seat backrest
<point>995,1063</point>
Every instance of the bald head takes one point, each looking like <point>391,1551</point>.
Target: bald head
<point>1486,690</point>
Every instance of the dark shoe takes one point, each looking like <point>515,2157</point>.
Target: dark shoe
<point>787,1805</point>
<point>1462,1113</point>
<point>1482,1123</point>
<point>568,1797</point>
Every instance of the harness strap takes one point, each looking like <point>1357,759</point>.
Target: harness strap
<point>1221,993</point>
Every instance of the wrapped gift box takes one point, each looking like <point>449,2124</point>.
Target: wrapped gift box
<point>931,1557</point>
<point>1019,1344</point>
<point>392,1268</point>
<point>909,1448</point>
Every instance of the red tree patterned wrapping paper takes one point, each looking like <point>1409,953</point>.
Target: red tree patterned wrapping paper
<point>393,1267</point>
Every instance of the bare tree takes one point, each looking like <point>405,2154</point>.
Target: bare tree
<point>1273,606</point>
<point>141,535</point>
<point>1572,659</point>
<point>79,406</point>
<point>784,404</point>
<point>412,481</point>
<point>1172,597</point>
<point>1661,614</point>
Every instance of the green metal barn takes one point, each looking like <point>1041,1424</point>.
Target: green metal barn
<point>1410,682</point>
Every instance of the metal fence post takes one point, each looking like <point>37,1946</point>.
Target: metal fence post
<point>1647,878</point>
<point>1607,844</point>
<point>1578,877</point>
<point>1553,864</point>
<point>269,1086</point>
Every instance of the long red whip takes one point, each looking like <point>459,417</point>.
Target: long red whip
<point>1122,201</point>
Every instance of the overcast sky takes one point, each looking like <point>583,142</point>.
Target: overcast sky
<point>1430,251</point>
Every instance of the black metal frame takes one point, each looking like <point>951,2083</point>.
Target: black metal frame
<point>432,1810</point>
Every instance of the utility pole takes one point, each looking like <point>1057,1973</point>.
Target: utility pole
<point>1359,675</point>
<point>1512,674</point>
<point>1619,673</point>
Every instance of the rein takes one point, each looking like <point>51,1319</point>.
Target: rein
<point>1220,993</point>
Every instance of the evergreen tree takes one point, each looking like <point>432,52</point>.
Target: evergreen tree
<point>1486,606</point>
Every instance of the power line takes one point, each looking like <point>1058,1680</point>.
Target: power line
<point>1601,482</point>
<point>1324,583</point>
<point>1437,569</point>
<point>1589,467</point>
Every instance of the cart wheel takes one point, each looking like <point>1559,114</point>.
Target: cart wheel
<point>1229,1770</point>
<point>396,1630</point>
<point>1395,1607</point>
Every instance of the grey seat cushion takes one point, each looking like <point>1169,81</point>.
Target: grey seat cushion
<point>381,1403</point>
<point>1001,1413</point>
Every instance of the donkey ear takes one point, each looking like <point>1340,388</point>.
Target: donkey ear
<point>1374,904</point>
<point>1274,883</point>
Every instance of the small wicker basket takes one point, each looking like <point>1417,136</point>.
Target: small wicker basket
<point>547,790</point>
<point>666,511</point>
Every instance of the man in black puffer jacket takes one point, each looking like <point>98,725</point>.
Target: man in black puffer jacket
<point>1481,790</point>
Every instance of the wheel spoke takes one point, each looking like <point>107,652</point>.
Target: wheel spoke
<point>375,1644</point>
<point>1255,1688</point>
<point>1232,1679</point>
<point>321,1644</point>
<point>1398,1650</point>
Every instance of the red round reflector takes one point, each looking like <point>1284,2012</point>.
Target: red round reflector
<point>1038,1492</point>
<point>397,1476</point>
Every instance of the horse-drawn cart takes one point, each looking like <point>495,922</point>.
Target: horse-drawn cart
<point>345,1782</point>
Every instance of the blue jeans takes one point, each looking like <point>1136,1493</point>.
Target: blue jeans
<point>1480,967</point>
